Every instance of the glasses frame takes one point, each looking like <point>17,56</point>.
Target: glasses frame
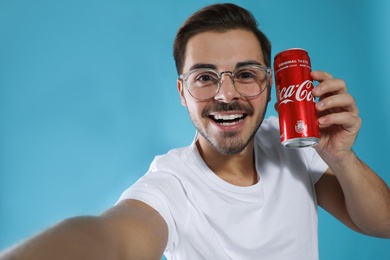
<point>184,77</point>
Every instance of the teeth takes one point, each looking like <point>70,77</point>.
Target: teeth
<point>230,123</point>
<point>228,117</point>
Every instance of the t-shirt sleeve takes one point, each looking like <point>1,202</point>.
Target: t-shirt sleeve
<point>155,189</point>
<point>270,138</point>
<point>316,165</point>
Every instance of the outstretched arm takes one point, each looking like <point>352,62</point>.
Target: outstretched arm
<point>349,190</point>
<point>129,230</point>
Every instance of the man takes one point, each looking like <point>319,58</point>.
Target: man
<point>235,192</point>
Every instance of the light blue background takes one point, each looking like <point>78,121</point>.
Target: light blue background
<point>88,97</point>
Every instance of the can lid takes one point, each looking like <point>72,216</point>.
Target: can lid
<point>291,49</point>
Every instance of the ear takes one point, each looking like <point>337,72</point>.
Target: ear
<point>180,88</point>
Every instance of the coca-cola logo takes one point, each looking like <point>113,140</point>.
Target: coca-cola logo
<point>299,92</point>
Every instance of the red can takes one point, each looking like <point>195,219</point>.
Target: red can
<point>298,118</point>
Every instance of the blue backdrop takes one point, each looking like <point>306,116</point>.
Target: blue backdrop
<point>88,97</point>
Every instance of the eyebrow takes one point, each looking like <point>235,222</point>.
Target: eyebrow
<point>249,62</point>
<point>212,66</point>
<point>203,66</point>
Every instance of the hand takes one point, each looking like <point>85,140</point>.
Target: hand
<point>338,117</point>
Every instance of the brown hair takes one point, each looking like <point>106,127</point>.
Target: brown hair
<point>220,18</point>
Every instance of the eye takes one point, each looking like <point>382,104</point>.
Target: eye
<point>206,77</point>
<point>245,75</point>
<point>201,79</point>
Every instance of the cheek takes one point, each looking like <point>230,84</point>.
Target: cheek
<point>195,109</point>
<point>260,104</point>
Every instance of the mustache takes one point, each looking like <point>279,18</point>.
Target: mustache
<point>226,107</point>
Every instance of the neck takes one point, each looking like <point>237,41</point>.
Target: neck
<point>238,169</point>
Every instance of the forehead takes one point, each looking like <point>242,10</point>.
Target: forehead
<point>222,49</point>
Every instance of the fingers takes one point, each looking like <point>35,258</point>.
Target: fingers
<point>328,84</point>
<point>332,93</point>
<point>344,102</point>
<point>349,121</point>
<point>335,105</point>
<point>319,75</point>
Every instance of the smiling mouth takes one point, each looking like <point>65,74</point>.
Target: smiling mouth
<point>228,120</point>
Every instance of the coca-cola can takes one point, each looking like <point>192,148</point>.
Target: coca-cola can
<point>298,118</point>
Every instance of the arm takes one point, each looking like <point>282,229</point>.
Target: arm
<point>349,190</point>
<point>129,230</point>
<point>356,205</point>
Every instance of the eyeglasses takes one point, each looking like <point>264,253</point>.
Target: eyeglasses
<point>248,80</point>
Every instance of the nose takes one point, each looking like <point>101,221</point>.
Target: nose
<point>227,92</point>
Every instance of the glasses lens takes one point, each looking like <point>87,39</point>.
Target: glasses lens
<point>203,84</point>
<point>250,81</point>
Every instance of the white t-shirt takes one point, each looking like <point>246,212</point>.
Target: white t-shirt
<point>211,219</point>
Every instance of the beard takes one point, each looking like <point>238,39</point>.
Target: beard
<point>233,142</point>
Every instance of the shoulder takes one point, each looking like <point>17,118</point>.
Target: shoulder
<point>167,173</point>
<point>270,123</point>
<point>268,144</point>
<point>268,134</point>
<point>270,127</point>
<point>173,162</point>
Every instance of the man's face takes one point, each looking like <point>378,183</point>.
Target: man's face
<point>228,121</point>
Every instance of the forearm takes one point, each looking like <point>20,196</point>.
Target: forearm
<point>129,230</point>
<point>367,197</point>
<point>76,238</point>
